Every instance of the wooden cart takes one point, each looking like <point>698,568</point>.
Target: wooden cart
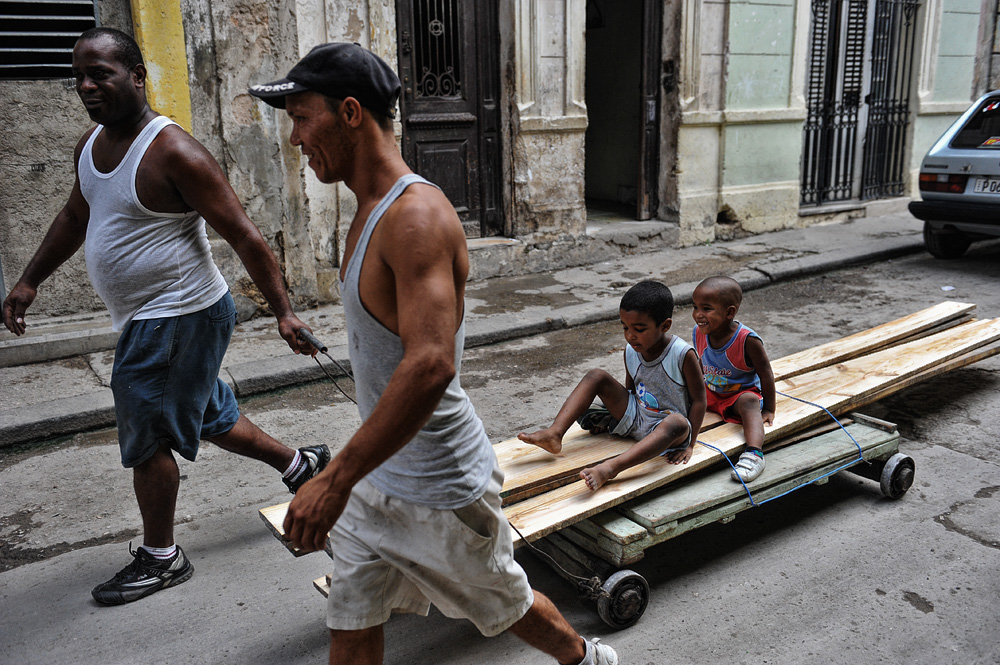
<point>599,548</point>
<point>593,552</point>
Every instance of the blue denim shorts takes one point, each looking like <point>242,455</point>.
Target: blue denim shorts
<point>166,382</point>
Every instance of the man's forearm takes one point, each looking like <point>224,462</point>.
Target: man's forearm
<point>405,406</point>
<point>262,266</point>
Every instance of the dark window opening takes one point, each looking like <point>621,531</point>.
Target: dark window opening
<point>982,130</point>
<point>36,38</point>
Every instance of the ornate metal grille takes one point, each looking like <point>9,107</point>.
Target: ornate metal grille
<point>834,94</point>
<point>437,43</point>
<point>889,101</point>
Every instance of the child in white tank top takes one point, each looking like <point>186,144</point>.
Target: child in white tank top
<point>662,403</point>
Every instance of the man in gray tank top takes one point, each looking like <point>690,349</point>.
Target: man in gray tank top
<point>413,497</point>
<point>154,271</point>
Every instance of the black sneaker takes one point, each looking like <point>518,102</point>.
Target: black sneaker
<point>597,420</point>
<point>145,575</point>
<point>316,459</point>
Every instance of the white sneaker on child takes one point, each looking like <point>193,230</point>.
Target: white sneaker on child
<point>748,467</point>
<point>599,654</point>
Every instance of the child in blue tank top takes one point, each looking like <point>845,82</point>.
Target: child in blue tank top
<point>662,403</point>
<point>736,368</point>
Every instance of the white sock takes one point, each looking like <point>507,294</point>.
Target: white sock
<point>294,466</point>
<point>588,658</point>
<point>161,552</point>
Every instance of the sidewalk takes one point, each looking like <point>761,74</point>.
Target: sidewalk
<point>59,397</point>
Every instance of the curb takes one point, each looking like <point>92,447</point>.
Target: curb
<point>76,414</point>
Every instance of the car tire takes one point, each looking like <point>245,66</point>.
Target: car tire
<point>945,244</point>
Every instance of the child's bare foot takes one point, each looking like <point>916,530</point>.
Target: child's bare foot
<point>596,476</point>
<point>546,439</point>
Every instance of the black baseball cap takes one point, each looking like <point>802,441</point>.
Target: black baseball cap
<point>338,70</point>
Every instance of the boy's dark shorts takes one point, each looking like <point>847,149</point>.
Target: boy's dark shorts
<point>166,382</point>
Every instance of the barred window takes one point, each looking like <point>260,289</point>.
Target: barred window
<point>37,37</point>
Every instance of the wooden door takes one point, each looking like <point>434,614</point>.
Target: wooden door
<point>450,112</point>
<point>649,125</point>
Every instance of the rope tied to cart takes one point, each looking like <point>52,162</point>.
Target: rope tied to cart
<point>754,503</point>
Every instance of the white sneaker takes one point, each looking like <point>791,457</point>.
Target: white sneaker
<point>599,654</point>
<point>749,466</point>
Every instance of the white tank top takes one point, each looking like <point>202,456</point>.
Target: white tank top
<point>143,264</point>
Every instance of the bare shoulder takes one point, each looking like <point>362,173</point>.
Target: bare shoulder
<point>422,217</point>
<point>78,150</point>
<point>175,148</point>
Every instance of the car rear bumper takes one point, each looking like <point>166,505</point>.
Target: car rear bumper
<point>957,212</point>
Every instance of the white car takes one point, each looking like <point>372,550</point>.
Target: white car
<point>960,182</point>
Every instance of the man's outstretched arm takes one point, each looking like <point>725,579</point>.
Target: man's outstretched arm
<point>202,185</point>
<point>63,239</point>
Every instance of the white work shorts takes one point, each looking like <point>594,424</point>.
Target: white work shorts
<point>390,555</point>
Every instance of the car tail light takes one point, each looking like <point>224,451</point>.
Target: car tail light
<point>943,182</point>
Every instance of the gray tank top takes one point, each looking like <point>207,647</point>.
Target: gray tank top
<point>659,384</point>
<point>448,464</point>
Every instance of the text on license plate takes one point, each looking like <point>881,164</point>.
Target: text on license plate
<point>987,185</point>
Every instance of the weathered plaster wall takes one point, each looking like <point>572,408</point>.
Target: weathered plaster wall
<point>550,121</point>
<point>43,121</point>
<point>742,110</point>
<point>255,41</point>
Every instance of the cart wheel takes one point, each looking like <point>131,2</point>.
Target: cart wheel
<point>626,599</point>
<point>897,475</point>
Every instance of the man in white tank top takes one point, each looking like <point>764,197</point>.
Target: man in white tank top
<point>154,270</point>
<point>413,497</point>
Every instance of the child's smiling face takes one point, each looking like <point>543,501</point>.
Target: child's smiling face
<point>711,314</point>
<point>643,333</point>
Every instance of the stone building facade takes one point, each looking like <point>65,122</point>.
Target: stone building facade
<point>579,129</point>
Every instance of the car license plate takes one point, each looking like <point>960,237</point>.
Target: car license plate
<point>987,186</point>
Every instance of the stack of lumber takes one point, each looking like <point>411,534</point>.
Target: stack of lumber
<point>543,493</point>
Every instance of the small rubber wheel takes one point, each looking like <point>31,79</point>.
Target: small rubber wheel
<point>897,475</point>
<point>626,599</point>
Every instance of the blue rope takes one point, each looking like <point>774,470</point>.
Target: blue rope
<point>851,463</point>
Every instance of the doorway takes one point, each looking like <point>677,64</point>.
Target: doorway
<point>623,106</point>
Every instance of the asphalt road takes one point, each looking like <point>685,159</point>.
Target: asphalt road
<point>832,574</point>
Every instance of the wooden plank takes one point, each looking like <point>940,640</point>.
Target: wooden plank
<point>840,388</point>
<point>727,512</point>
<point>529,470</point>
<point>322,585</point>
<point>658,508</point>
<point>671,511</point>
<point>941,316</point>
<point>274,518</point>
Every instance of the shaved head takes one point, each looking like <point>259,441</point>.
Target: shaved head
<point>126,49</point>
<point>727,288</point>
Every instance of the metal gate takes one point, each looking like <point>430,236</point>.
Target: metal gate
<point>889,100</point>
<point>857,99</point>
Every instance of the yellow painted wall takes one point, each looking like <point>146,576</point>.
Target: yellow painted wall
<point>159,30</point>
